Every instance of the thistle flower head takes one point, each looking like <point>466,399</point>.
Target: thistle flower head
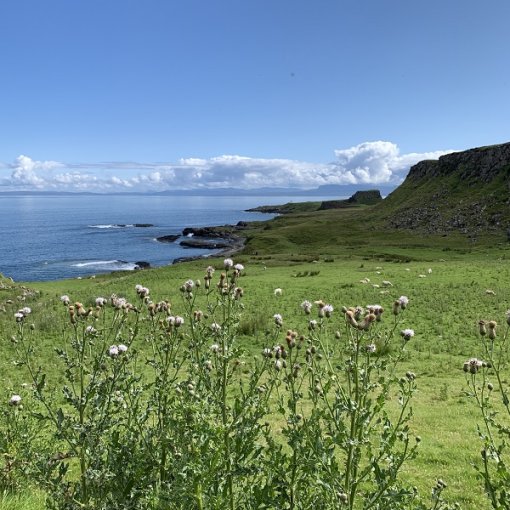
<point>327,310</point>
<point>278,292</point>
<point>15,400</point>
<point>113,351</point>
<point>228,264</point>
<point>407,334</point>
<point>473,365</point>
<point>306,306</point>
<point>101,301</point>
<point>278,320</point>
<point>404,301</point>
<point>65,299</point>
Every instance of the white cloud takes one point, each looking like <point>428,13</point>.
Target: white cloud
<point>377,162</point>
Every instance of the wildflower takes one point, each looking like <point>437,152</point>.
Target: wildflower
<point>228,264</point>
<point>482,328</point>
<point>215,327</point>
<point>404,301</point>
<point>15,400</point>
<point>19,317</point>
<point>327,310</point>
<point>473,365</point>
<point>90,330</point>
<point>179,321</point>
<point>238,293</point>
<point>364,325</point>
<point>122,348</point>
<point>492,329</point>
<point>429,270</point>
<point>370,348</point>
<point>188,285</point>
<point>306,306</point>
<point>143,292</point>
<point>101,301</point>
<point>411,376</point>
<point>239,267</point>
<point>65,299</point>
<point>209,271</point>
<point>215,348</point>
<point>267,353</point>
<point>312,325</point>
<point>113,351</point>
<point>349,317</point>
<point>278,319</point>
<point>278,292</point>
<point>386,283</point>
<point>278,364</point>
<point>407,334</point>
<point>208,365</point>
<point>291,339</point>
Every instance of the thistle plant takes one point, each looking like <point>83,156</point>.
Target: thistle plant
<point>488,387</point>
<point>162,408</point>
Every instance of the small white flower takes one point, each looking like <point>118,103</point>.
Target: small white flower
<point>429,270</point>
<point>216,328</point>
<point>101,301</point>
<point>328,310</point>
<point>278,292</point>
<point>228,263</point>
<point>239,267</point>
<point>312,324</point>
<point>113,351</point>
<point>404,301</point>
<point>371,348</point>
<point>278,319</point>
<point>188,285</point>
<point>278,364</point>
<point>19,317</point>
<point>15,400</point>
<point>179,321</point>
<point>90,330</point>
<point>26,311</point>
<point>65,299</point>
<point>306,306</point>
<point>267,353</point>
<point>407,334</point>
<point>122,348</point>
<point>215,348</point>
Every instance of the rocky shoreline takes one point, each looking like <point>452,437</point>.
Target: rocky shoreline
<point>223,238</point>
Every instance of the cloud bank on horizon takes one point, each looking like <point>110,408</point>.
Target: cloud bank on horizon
<point>369,163</point>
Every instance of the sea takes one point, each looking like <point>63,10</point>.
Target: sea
<point>52,237</point>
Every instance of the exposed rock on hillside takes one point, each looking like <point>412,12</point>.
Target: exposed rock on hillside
<point>467,192</point>
<point>369,197</point>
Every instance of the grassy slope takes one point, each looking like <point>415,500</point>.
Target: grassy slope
<point>324,255</point>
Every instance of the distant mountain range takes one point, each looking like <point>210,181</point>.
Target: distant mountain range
<point>333,190</point>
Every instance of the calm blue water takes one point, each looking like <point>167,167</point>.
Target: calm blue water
<point>55,237</point>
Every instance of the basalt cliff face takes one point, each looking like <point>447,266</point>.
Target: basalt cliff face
<point>467,192</point>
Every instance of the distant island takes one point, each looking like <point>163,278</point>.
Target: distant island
<point>334,190</point>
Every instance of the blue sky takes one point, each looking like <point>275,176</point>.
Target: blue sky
<point>128,95</point>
